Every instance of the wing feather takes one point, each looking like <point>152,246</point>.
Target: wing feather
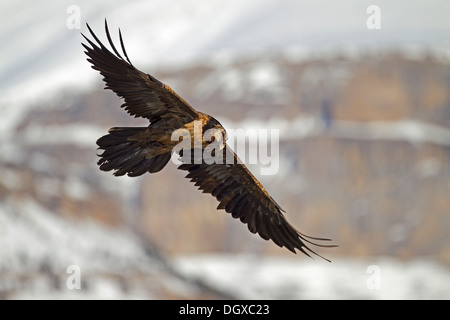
<point>242,195</point>
<point>144,95</point>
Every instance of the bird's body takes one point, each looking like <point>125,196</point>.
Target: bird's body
<point>137,150</point>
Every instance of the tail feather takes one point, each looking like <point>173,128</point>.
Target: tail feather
<point>127,156</point>
<point>128,166</point>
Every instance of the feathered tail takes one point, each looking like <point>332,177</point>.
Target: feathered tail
<point>128,156</point>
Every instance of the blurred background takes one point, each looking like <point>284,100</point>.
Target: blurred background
<point>360,95</point>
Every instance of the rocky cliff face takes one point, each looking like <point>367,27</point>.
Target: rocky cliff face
<point>364,154</point>
<point>364,150</point>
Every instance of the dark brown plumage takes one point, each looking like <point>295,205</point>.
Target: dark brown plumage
<point>136,150</point>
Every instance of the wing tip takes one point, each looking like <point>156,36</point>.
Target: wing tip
<point>100,45</point>
<point>314,253</point>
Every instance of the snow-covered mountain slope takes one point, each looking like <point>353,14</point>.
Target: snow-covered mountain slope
<point>41,54</point>
<point>250,277</point>
<point>44,256</point>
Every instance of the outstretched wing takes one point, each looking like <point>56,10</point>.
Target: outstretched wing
<point>144,95</point>
<point>242,195</point>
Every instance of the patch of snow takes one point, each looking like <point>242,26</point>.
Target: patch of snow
<point>76,188</point>
<point>228,80</point>
<point>413,131</point>
<point>253,277</point>
<point>266,82</point>
<point>316,74</point>
<point>233,84</point>
<point>82,135</point>
<point>44,56</point>
<point>41,162</point>
<point>37,247</point>
<point>408,130</point>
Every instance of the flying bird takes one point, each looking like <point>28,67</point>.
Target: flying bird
<point>137,150</point>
